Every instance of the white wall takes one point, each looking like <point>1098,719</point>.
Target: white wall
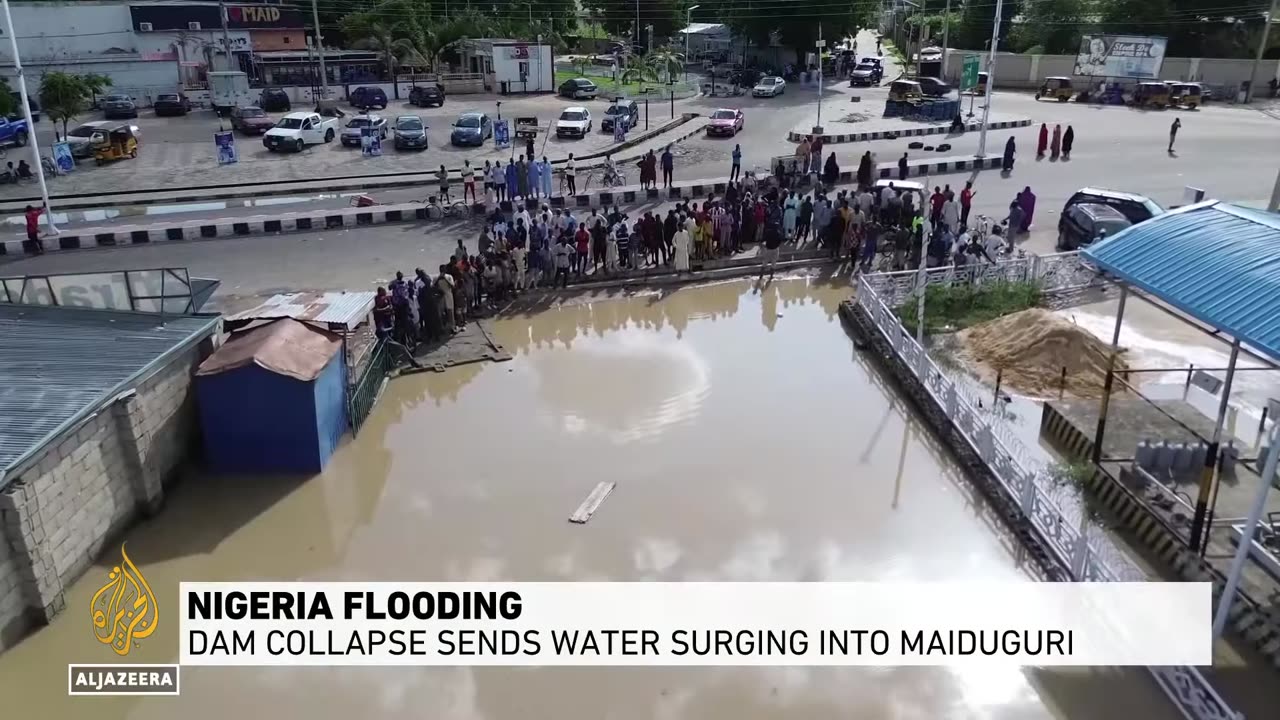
<point>541,77</point>
<point>63,30</point>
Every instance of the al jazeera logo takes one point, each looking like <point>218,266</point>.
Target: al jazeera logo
<point>124,613</point>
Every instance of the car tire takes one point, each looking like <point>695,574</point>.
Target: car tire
<point>20,139</point>
<point>298,145</point>
<point>328,135</point>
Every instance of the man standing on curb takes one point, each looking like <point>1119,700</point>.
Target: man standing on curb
<point>570,175</point>
<point>668,164</point>
<point>33,228</point>
<point>736,170</point>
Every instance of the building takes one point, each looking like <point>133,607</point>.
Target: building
<point>95,418</point>
<point>509,66</point>
<point>147,48</point>
<point>705,39</point>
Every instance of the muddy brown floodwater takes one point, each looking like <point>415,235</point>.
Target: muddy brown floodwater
<point>748,441</point>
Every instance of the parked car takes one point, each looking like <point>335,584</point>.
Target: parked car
<point>769,86</point>
<point>171,104</point>
<point>411,133</point>
<point>626,110</point>
<point>275,100</point>
<point>574,122</point>
<point>297,130</point>
<point>426,96</point>
<point>579,89</point>
<point>933,87</point>
<point>118,106</point>
<point>14,132</point>
<point>726,122</point>
<point>1136,208</point>
<point>1081,224</point>
<point>251,120</point>
<point>81,138</point>
<point>31,101</point>
<point>368,98</point>
<point>355,128</point>
<point>471,128</point>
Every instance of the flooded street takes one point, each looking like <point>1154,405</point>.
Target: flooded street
<point>749,442</point>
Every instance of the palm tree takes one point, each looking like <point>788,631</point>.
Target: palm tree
<point>381,38</point>
<point>665,61</point>
<point>637,71</point>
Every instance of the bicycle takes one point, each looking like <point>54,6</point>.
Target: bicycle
<point>437,210</point>
<point>606,179</point>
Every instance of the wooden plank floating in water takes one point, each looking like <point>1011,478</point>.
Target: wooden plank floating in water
<point>592,503</point>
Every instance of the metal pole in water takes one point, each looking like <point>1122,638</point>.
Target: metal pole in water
<point>1246,540</point>
<point>38,166</point>
<point>1207,473</point>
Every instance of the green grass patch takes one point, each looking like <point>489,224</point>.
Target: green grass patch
<point>603,78</point>
<point>948,308</point>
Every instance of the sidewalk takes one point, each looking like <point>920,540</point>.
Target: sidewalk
<point>330,218</point>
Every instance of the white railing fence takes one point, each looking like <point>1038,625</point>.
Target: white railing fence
<point>1059,516</point>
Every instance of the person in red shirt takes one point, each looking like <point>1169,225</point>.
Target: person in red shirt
<point>582,244</point>
<point>966,200</point>
<point>935,203</point>
<point>33,228</point>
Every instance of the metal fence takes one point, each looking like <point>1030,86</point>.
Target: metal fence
<point>363,393</point>
<point>1062,522</point>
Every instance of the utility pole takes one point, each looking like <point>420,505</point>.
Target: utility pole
<point>817,128</point>
<point>324,76</point>
<point>688,22</point>
<point>637,23</point>
<point>1262,48</point>
<point>226,37</point>
<point>946,37</point>
<point>991,79</point>
<point>26,113</point>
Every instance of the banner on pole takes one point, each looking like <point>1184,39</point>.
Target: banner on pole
<point>501,134</point>
<point>63,158</point>
<point>225,141</point>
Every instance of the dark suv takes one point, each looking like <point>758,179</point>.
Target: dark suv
<point>1083,223</point>
<point>933,87</point>
<point>275,100</point>
<point>171,104</point>
<point>369,98</point>
<point>628,111</point>
<point>426,96</point>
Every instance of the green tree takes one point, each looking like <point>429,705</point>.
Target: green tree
<point>65,96</point>
<point>384,37</point>
<point>793,23</point>
<point>974,29</point>
<point>8,106</point>
<point>96,85</point>
<point>1050,27</point>
<point>666,61</point>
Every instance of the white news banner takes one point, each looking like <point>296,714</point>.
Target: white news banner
<point>715,624</point>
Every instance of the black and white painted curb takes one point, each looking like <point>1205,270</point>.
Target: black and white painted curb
<point>348,218</point>
<point>907,131</point>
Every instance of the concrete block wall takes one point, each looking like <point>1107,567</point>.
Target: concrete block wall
<point>58,517</point>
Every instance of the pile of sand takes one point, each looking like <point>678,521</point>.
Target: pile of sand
<point>1031,348</point>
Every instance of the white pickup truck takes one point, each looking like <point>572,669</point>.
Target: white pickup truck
<point>297,130</point>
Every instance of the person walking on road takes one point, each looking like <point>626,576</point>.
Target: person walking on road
<point>1043,141</point>
<point>1173,132</point>
<point>1010,149</point>
<point>1027,201</point>
<point>571,175</point>
<point>1068,139</point>
<point>831,173</point>
<point>865,170</point>
<point>32,215</point>
<point>902,167</point>
<point>736,169</point>
<point>966,203</point>
<point>668,165</point>
<point>1055,145</point>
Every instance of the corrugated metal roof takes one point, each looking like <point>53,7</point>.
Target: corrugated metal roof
<point>1216,262</point>
<point>57,363</point>
<point>347,309</point>
<point>285,347</point>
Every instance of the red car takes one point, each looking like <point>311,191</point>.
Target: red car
<point>726,122</point>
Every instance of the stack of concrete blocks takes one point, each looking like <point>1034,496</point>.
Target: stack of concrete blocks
<point>90,484</point>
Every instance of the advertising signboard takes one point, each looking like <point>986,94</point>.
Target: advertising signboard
<point>1120,56</point>
<point>225,142</point>
<point>63,158</point>
<point>501,134</point>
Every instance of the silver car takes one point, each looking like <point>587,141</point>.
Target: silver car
<point>354,130</point>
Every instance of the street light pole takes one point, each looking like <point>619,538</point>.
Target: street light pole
<point>817,128</point>
<point>688,21</point>
<point>991,79</point>
<point>324,76</point>
<point>26,113</point>
<point>946,36</point>
<point>1262,48</point>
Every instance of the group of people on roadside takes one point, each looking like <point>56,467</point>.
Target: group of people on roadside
<point>1060,144</point>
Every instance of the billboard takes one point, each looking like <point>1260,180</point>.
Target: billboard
<point>1120,56</point>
